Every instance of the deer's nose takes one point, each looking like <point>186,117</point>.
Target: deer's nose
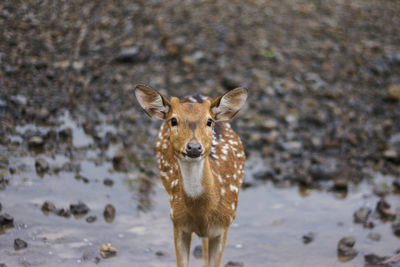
<point>194,150</point>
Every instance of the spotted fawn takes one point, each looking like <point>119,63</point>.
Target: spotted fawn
<point>201,164</point>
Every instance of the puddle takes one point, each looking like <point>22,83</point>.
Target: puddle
<point>267,231</point>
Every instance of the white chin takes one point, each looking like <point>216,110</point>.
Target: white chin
<point>189,159</point>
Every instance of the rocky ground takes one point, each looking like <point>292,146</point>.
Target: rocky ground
<point>324,80</point>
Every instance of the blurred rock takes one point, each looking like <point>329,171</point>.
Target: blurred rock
<point>91,219</point>
<point>6,220</point>
<point>108,182</point>
<point>383,209</point>
<point>393,92</point>
<point>41,166</point>
<point>361,215</point>
<point>79,209</point>
<point>345,248</point>
<point>381,190</point>
<point>396,228</point>
<point>63,213</point>
<point>374,236</point>
<point>133,55</point>
<point>340,184</point>
<point>35,142</point>
<point>198,252</point>
<point>49,207</point>
<point>374,260</point>
<point>308,238</point>
<point>107,251</point>
<point>20,244</point>
<point>109,213</point>
<point>234,264</point>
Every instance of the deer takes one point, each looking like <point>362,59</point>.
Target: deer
<point>201,166</point>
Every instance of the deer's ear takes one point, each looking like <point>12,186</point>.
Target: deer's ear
<point>153,103</point>
<point>226,106</point>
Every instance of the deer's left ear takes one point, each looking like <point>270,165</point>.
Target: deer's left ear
<point>153,103</point>
<point>226,106</point>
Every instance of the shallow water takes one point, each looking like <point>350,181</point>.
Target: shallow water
<point>267,231</point>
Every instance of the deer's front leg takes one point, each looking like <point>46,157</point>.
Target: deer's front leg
<point>216,247</point>
<point>182,242</point>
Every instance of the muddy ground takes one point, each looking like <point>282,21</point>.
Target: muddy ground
<point>323,115</point>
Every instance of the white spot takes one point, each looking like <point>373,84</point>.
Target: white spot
<point>228,176</point>
<point>171,171</point>
<point>232,142</point>
<point>233,206</point>
<point>158,144</point>
<point>220,179</point>
<point>223,157</point>
<point>234,188</point>
<point>234,176</point>
<point>222,191</point>
<point>174,182</point>
<point>171,211</point>
<point>164,146</point>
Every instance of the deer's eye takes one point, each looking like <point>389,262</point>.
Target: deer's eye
<point>174,122</point>
<point>209,122</point>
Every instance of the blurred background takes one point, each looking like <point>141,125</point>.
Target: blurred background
<point>321,128</point>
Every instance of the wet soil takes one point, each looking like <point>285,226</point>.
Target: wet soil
<point>321,128</point>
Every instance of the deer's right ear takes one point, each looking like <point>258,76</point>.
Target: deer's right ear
<point>153,103</point>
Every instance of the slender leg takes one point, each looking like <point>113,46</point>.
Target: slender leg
<point>182,242</point>
<point>216,247</point>
<point>204,245</point>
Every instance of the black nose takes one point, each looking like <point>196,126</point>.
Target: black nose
<point>194,150</point>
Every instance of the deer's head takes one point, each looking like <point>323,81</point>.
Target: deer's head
<point>190,123</point>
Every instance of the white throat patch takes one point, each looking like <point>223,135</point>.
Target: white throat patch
<point>192,174</point>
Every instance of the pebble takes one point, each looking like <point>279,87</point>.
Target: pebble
<point>346,249</point>
<point>361,215</point>
<point>132,55</point>
<point>20,244</point>
<point>383,208</point>
<point>396,228</point>
<point>108,182</point>
<point>340,184</point>
<point>79,209</point>
<point>66,134</point>
<point>381,190</point>
<point>48,207</point>
<point>234,264</point>
<point>308,238</point>
<point>159,253</point>
<point>198,252</point>
<point>374,236</point>
<point>91,219</point>
<point>109,213</point>
<point>107,251</point>
<point>394,92</point>
<point>35,142</point>
<point>373,259</point>
<point>41,166</point>
<point>6,219</point>
<point>63,213</point>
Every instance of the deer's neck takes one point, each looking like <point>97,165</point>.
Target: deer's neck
<point>197,179</point>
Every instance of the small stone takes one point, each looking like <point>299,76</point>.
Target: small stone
<point>35,142</point>
<point>82,178</point>
<point>41,166</point>
<point>119,161</point>
<point>391,155</point>
<point>383,208</point>
<point>198,252</point>
<point>269,124</point>
<point>63,213</point>
<point>20,244</point>
<point>234,264</point>
<point>396,228</point>
<point>109,213</point>
<point>361,215</point>
<point>160,253</point>
<point>3,265</point>
<point>373,259</point>
<point>91,219</point>
<point>79,209</point>
<point>66,134</point>
<point>107,251</point>
<point>374,236</point>
<point>108,182</point>
<point>6,219</point>
<point>394,92</point>
<point>308,238</point>
<point>132,55</point>
<point>345,248</point>
<point>48,207</point>
<point>321,172</point>
<point>340,185</point>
